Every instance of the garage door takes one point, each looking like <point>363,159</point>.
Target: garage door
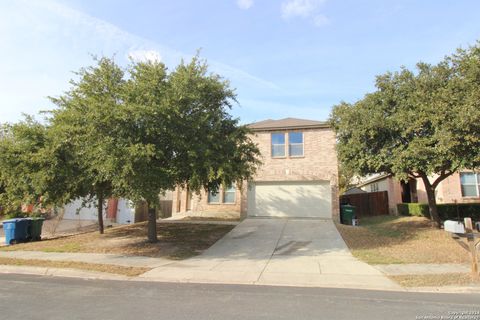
<point>290,199</point>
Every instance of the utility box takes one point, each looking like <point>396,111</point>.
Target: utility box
<point>453,226</point>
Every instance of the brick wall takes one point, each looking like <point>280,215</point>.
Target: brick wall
<point>319,162</point>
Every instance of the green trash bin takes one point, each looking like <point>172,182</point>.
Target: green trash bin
<point>35,228</point>
<point>348,213</point>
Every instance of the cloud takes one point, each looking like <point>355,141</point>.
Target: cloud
<point>63,40</point>
<point>306,9</point>
<point>145,55</point>
<point>320,20</point>
<point>244,4</point>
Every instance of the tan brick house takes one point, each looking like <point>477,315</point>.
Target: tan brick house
<point>298,177</point>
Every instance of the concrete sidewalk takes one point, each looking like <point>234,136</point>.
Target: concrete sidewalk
<point>289,252</point>
<point>99,258</point>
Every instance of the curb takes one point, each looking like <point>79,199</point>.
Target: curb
<point>61,272</point>
<point>446,289</point>
<point>95,275</point>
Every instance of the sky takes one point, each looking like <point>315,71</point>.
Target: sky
<point>285,58</point>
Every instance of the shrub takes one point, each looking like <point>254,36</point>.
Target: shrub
<point>446,211</point>
<point>413,209</point>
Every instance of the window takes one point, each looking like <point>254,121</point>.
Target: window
<point>470,183</point>
<point>278,145</point>
<point>374,187</point>
<point>213,197</point>
<point>229,194</point>
<point>295,144</point>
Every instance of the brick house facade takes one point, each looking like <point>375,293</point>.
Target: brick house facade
<point>307,164</point>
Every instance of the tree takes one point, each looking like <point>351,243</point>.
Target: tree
<point>181,118</point>
<point>416,125</point>
<point>131,134</point>
<point>33,169</point>
<point>88,123</point>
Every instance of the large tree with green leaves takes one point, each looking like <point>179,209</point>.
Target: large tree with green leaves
<point>88,122</point>
<point>33,168</point>
<point>140,132</point>
<point>182,123</point>
<point>423,124</point>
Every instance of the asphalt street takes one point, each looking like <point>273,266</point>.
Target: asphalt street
<point>37,297</point>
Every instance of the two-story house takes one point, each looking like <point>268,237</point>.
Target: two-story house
<point>298,177</point>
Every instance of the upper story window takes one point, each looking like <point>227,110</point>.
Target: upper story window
<point>374,187</point>
<point>470,183</point>
<point>229,194</point>
<point>295,144</point>
<point>213,197</point>
<point>278,145</point>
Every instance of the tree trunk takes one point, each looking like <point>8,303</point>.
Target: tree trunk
<point>152,225</point>
<point>432,202</point>
<point>100,213</point>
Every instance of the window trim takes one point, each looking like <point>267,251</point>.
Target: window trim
<point>277,144</point>
<point>476,184</point>
<point>302,144</point>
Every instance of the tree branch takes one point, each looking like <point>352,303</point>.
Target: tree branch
<point>443,175</point>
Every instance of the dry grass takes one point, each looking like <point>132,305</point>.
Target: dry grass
<point>126,271</point>
<point>176,241</point>
<point>436,280</point>
<point>390,239</point>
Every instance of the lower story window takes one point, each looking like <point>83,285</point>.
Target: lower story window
<point>213,197</point>
<point>229,194</point>
<point>470,183</point>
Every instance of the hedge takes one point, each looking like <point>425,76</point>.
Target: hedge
<point>446,211</point>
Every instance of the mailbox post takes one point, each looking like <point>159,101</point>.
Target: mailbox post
<point>466,231</point>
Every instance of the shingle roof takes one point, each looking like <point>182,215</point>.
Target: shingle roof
<point>373,178</point>
<point>287,123</point>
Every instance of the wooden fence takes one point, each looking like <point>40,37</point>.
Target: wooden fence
<point>367,204</point>
<point>164,210</point>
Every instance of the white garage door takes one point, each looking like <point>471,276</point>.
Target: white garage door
<point>290,199</point>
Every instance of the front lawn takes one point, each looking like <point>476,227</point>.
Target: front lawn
<point>393,239</point>
<point>176,241</point>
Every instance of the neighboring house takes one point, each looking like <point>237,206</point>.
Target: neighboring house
<point>298,177</point>
<point>354,190</point>
<point>121,211</point>
<point>461,187</point>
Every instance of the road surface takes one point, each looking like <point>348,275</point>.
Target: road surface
<point>36,297</point>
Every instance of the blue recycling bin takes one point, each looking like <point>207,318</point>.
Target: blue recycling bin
<point>15,230</point>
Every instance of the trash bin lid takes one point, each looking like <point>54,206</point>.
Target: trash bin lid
<point>11,220</point>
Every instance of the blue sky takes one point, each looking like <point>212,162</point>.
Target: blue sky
<point>286,58</point>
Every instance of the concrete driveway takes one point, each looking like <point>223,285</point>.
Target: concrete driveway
<point>293,252</point>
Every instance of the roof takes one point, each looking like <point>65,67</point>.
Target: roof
<point>374,178</point>
<point>287,123</point>
<point>353,190</point>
